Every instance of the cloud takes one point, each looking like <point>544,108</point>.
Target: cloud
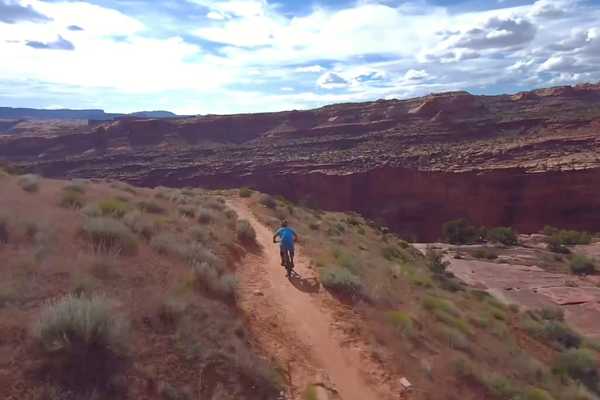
<point>59,44</point>
<point>310,69</point>
<point>12,12</point>
<point>75,28</point>
<point>498,33</point>
<point>331,80</point>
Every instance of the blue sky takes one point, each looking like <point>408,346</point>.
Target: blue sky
<point>229,56</point>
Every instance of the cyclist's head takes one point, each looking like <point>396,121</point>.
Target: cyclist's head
<point>284,223</point>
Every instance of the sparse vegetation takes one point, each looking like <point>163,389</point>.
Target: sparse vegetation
<point>582,265</point>
<point>30,183</point>
<point>141,224</point>
<point>245,192</point>
<point>580,364</point>
<point>459,231</point>
<point>82,336</point>
<point>268,201</point>
<point>109,234</point>
<point>71,199</point>
<point>341,280</point>
<point>504,235</point>
<point>245,232</point>
<point>485,253</point>
<point>206,216</point>
<point>558,240</point>
<point>435,261</point>
<point>114,207</point>
<point>150,207</point>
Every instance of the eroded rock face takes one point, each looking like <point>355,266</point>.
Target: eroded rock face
<point>525,160</point>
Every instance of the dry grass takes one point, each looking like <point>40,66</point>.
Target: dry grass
<point>109,234</point>
<point>246,233</point>
<point>30,183</point>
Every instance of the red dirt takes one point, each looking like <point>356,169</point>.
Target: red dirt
<point>302,327</point>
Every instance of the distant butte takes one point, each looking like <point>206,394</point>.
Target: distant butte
<point>524,160</point>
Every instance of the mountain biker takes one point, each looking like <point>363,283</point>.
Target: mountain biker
<point>288,237</point>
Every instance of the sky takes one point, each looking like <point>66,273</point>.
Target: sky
<point>232,56</point>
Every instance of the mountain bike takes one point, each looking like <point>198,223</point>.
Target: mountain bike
<point>288,262</point>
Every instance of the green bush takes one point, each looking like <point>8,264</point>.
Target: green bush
<point>187,211</point>
<point>435,261</point>
<point>75,327</point>
<point>400,321</point>
<point>559,239</point>
<point>432,303</point>
<point>537,394</point>
<point>246,192</point>
<point>579,364</point>
<point>114,207</point>
<point>459,231</point>
<point>268,201</point>
<point>71,199</point>
<point>502,234</point>
<point>109,234</point>
<point>245,232</point>
<point>30,183</point>
<point>199,234</point>
<point>150,207</point>
<point>341,280</point>
<point>484,253</point>
<point>3,230</point>
<point>391,252</point>
<point>582,265</point>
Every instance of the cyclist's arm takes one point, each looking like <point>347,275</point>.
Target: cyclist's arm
<point>276,235</point>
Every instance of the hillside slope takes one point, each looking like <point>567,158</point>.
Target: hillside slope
<point>497,160</point>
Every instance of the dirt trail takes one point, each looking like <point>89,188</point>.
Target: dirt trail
<point>304,328</point>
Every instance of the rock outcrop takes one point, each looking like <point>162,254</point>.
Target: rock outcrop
<point>525,160</point>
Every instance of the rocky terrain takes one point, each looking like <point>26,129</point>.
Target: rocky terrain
<point>523,160</point>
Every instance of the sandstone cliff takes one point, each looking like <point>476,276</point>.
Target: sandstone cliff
<point>524,160</point>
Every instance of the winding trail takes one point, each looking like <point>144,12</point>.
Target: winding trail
<point>304,328</point>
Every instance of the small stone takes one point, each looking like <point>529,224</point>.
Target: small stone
<point>406,385</point>
<point>258,293</point>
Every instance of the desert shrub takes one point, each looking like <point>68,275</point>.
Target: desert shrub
<point>341,280</point>
<point>3,230</point>
<point>499,386</point>
<point>434,304</point>
<point>580,364</point>
<point>170,392</point>
<point>268,201</point>
<point>435,261</point>
<point>400,321</point>
<point>246,192</point>
<point>192,253</point>
<point>199,234</point>
<point>310,393</point>
<point>231,214</point>
<point>150,207</point>
<point>391,252</point>
<point>558,240</point>
<point>215,204</point>
<point>537,394</point>
<point>81,334</point>
<point>109,234</point>
<point>455,339</point>
<point>206,216</point>
<point>71,199</point>
<point>30,183</point>
<point>3,173</point>
<point>91,210</point>
<point>75,186</point>
<point>552,330</point>
<point>551,314</point>
<point>140,224</point>
<point>187,211</point>
<point>459,231</point>
<point>245,232</point>
<point>485,253</point>
<point>114,207</point>
<point>502,234</point>
<point>209,278</point>
<point>582,265</point>
<point>314,226</point>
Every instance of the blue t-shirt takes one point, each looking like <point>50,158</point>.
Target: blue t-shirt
<point>287,237</point>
